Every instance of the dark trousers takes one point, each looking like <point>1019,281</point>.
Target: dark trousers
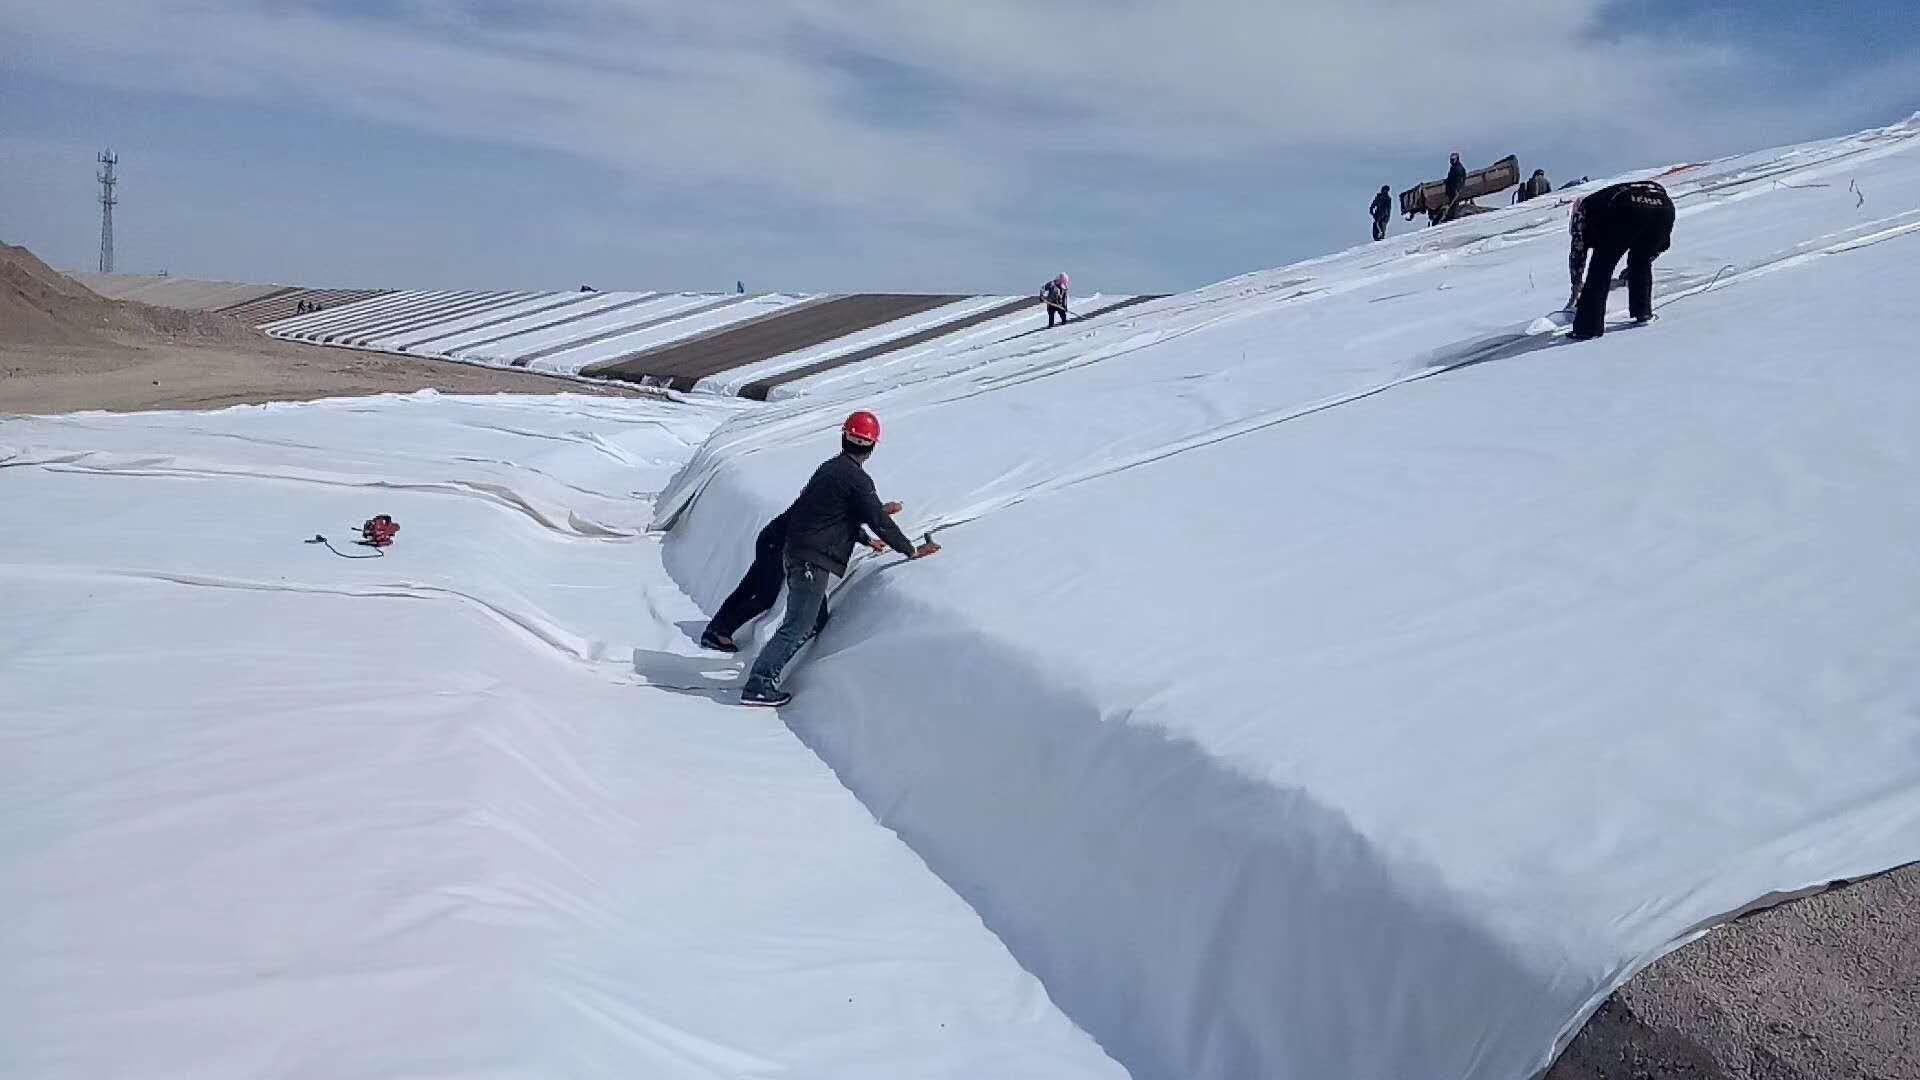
<point>759,589</point>
<point>1056,311</point>
<point>1379,228</point>
<point>1639,235</point>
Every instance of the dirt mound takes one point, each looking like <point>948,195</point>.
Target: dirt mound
<point>41,306</point>
<point>1823,987</point>
<point>27,265</point>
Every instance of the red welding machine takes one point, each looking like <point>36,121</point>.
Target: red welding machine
<point>378,531</point>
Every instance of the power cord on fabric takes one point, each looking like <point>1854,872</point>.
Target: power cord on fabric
<point>319,539</point>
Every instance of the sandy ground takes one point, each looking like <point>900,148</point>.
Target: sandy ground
<point>124,377</point>
<point>1825,988</point>
<point>64,347</point>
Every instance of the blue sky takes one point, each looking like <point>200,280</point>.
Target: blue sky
<point>837,144</point>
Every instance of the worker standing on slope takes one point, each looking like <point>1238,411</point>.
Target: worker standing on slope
<point>822,526</point>
<point>1382,210</point>
<point>760,586</point>
<point>1456,182</point>
<point>1055,294</point>
<point>1635,220</point>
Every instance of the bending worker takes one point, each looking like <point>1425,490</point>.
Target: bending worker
<point>1635,220</point>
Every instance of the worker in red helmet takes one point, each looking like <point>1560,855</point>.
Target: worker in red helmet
<point>823,524</point>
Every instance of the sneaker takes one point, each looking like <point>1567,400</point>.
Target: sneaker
<point>766,699</point>
<point>718,642</point>
<point>1577,336</point>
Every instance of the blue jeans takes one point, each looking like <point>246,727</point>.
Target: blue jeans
<point>806,604</point>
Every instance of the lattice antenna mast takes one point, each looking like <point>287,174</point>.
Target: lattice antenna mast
<point>107,159</point>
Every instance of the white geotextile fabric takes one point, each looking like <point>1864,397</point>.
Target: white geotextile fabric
<point>1328,674</point>
<point>944,353</point>
<point>313,320</point>
<point>504,349</point>
<point>731,380</point>
<point>551,305</point>
<point>388,308</point>
<point>733,312</point>
<point>443,346</point>
<point>269,812</point>
<point>378,336</point>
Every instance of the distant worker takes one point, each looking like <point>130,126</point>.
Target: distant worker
<point>1382,210</point>
<point>1534,186</point>
<point>740,287</point>
<point>1456,182</point>
<point>1055,294</point>
<point>823,524</point>
<point>760,586</point>
<point>1635,220</point>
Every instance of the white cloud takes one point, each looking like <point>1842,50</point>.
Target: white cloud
<point>740,92</point>
<point>660,103</point>
<point>919,119</point>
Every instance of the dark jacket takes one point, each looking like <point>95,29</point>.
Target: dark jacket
<point>1456,180</point>
<point>825,521</point>
<point>1634,216</point>
<point>1382,207</point>
<point>774,535</point>
<point>1637,207</point>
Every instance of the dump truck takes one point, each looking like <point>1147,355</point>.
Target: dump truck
<point>1430,198</point>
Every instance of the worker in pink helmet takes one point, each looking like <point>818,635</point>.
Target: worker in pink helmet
<point>1055,294</point>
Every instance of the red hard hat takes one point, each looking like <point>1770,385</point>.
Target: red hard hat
<point>862,427</point>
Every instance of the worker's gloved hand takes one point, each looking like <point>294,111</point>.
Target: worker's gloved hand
<point>926,549</point>
<point>892,508</point>
<point>878,545</point>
